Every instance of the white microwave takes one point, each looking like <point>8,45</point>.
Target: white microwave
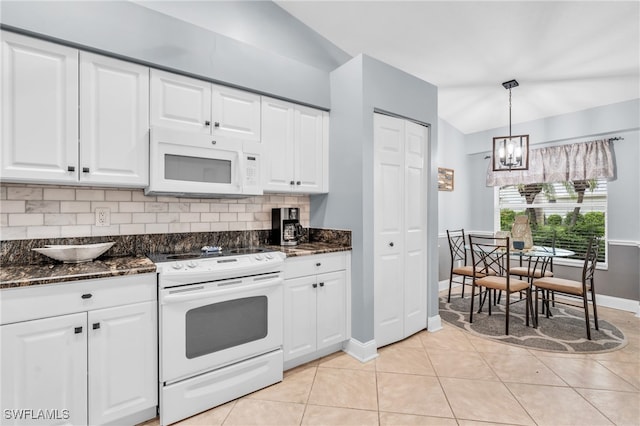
<point>188,164</point>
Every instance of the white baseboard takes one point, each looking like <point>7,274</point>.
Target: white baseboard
<point>363,352</point>
<point>602,300</point>
<point>434,323</point>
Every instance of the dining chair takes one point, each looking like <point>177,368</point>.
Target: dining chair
<point>491,263</point>
<point>459,267</point>
<point>573,289</point>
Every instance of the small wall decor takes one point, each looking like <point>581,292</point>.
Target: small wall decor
<point>445,179</point>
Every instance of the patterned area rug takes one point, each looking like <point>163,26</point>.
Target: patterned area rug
<point>565,331</point>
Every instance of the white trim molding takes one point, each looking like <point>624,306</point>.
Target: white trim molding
<point>627,243</point>
<point>363,352</point>
<point>434,324</point>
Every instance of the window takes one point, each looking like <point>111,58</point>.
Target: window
<point>567,212</point>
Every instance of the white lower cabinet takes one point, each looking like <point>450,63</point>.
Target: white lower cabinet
<point>95,366</point>
<point>44,367</point>
<point>316,314</point>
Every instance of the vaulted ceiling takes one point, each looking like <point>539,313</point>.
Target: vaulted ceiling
<point>567,56</point>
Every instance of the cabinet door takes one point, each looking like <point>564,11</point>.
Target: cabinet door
<point>278,145</point>
<point>114,121</point>
<point>388,248</point>
<point>235,113</point>
<point>310,149</point>
<point>299,316</point>
<point>332,308</point>
<point>123,361</point>
<point>180,102</point>
<point>415,229</point>
<point>44,366</point>
<point>39,110</point>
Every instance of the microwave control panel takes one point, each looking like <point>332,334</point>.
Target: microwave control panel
<point>252,171</point>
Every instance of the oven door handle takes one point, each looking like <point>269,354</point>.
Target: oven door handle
<point>198,292</point>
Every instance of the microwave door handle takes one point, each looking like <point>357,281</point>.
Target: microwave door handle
<point>240,172</point>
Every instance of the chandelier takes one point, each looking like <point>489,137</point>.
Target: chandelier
<point>510,152</point>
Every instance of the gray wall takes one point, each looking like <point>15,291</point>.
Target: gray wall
<point>357,88</point>
<point>622,278</point>
<point>130,31</point>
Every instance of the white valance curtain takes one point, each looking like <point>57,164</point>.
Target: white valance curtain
<point>578,161</point>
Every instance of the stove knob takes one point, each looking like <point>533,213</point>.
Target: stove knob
<point>177,266</point>
<point>192,264</point>
<point>258,257</point>
<point>268,256</point>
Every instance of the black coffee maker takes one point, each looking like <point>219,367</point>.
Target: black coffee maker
<point>285,226</point>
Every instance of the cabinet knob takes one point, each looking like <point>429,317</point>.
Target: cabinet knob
<point>77,330</point>
<point>96,325</point>
<point>391,244</point>
<point>314,285</point>
<point>207,123</point>
<point>291,183</point>
<point>318,264</point>
<point>71,169</point>
<point>321,284</point>
<point>87,296</point>
<point>298,183</point>
<point>213,142</point>
<point>216,124</point>
<point>85,170</point>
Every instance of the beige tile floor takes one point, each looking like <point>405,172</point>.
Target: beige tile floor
<point>451,378</point>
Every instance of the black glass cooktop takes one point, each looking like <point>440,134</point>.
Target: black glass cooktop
<point>169,257</point>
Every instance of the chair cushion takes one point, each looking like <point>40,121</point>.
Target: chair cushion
<point>500,283</point>
<point>560,284</point>
<point>468,271</point>
<point>523,271</point>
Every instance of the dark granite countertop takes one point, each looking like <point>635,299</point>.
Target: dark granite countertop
<point>49,273</point>
<point>22,267</point>
<point>307,249</point>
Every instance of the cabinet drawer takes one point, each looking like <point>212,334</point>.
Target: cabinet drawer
<point>41,301</point>
<point>316,264</point>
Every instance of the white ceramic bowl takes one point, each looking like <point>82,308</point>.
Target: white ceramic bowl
<point>74,253</point>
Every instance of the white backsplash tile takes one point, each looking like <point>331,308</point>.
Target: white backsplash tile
<point>47,211</point>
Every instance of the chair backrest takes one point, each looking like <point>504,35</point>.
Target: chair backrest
<point>590,260</point>
<point>456,246</point>
<point>490,255</point>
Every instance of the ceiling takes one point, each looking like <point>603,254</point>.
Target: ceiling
<point>567,56</point>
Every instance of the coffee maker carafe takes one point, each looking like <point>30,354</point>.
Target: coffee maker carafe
<point>285,226</point>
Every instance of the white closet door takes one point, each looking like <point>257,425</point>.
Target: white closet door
<point>415,229</point>
<point>388,228</point>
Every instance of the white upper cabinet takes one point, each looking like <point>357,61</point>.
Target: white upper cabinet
<point>47,97</point>
<point>114,121</point>
<point>295,140</point>
<point>180,102</point>
<point>235,113</point>
<point>39,110</point>
<point>193,105</point>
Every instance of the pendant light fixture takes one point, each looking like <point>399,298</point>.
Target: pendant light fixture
<point>510,152</point>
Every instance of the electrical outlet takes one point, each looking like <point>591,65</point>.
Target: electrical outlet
<point>103,216</point>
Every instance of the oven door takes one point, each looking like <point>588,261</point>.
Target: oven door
<point>206,326</point>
